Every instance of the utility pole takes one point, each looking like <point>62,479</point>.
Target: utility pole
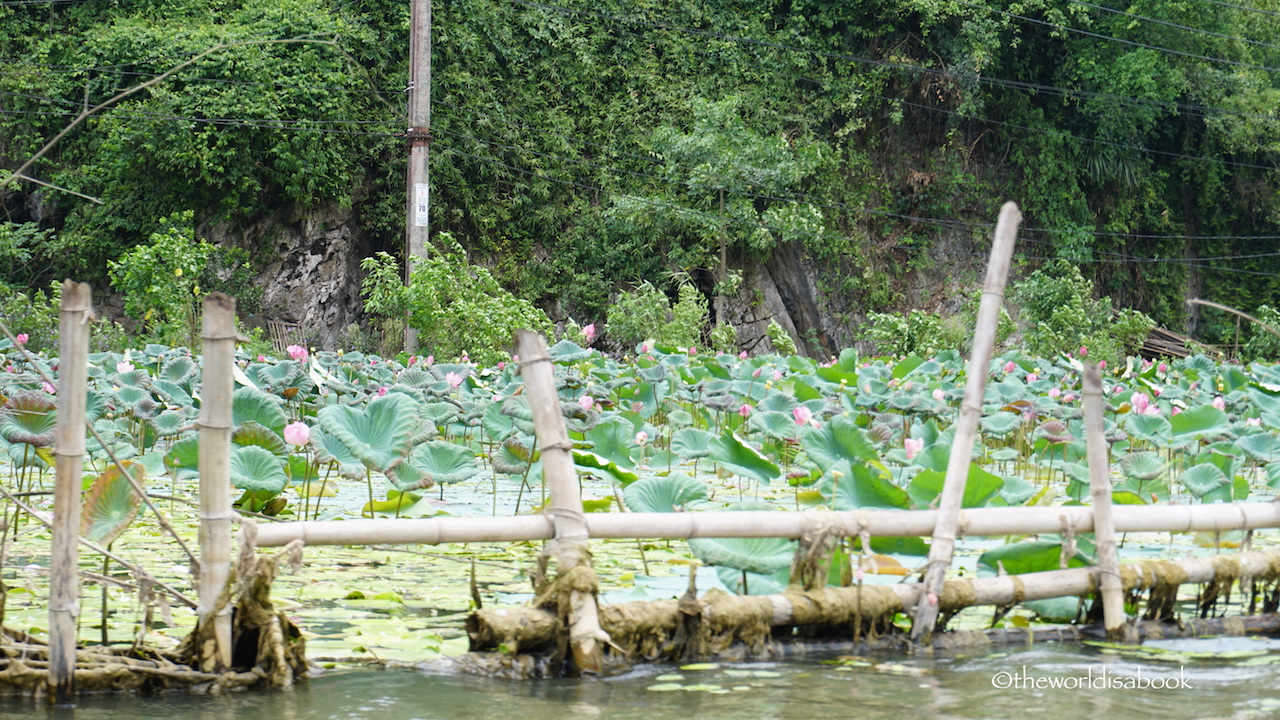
<point>419,136</point>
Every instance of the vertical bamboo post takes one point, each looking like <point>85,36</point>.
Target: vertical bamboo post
<point>64,581</point>
<point>565,502</point>
<point>215,423</point>
<point>984,340</point>
<point>1112,590</point>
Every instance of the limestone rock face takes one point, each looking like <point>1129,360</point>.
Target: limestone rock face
<point>313,276</point>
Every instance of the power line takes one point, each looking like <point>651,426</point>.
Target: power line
<point>1166,23</point>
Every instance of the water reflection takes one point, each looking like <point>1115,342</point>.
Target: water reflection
<point>1235,684</point>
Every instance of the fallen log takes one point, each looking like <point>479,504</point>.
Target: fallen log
<point>701,629</point>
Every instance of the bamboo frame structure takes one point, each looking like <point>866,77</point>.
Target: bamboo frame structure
<point>984,341</point>
<point>1219,517</point>
<point>64,582</point>
<point>569,546</point>
<point>215,423</point>
<point>1104,535</point>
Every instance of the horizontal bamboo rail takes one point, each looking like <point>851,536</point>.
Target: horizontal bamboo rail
<point>878,523</point>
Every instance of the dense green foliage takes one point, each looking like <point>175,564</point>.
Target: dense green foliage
<point>618,142</point>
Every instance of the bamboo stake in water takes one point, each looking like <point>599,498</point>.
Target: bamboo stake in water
<point>219,341</point>
<point>984,340</point>
<point>1109,584</point>
<point>565,503</point>
<point>64,584</point>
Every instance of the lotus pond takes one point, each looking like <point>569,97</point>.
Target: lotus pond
<point>331,436</point>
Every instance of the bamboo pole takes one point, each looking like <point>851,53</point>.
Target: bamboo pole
<point>1113,616</point>
<point>215,423</point>
<point>64,584</point>
<point>565,505</point>
<point>944,535</point>
<point>979,522</point>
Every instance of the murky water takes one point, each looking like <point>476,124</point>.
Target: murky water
<point>1048,681</point>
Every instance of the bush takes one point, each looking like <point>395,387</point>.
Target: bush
<point>917,333</point>
<point>1060,315</point>
<point>1263,345</point>
<point>457,308</point>
<point>646,314</point>
<point>160,282</point>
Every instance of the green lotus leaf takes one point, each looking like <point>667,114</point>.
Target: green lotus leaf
<point>567,352</point>
<point>613,439</point>
<point>1261,447</point>
<point>587,459</point>
<point>379,434</point>
<point>512,457</point>
<point>731,452</point>
<point>1154,429</point>
<point>180,370</point>
<point>407,476</point>
<point>691,443</point>
<point>330,449</point>
<point>979,487</point>
<point>445,462</point>
<point>1032,556</point>
<point>111,503</point>
<point>672,493</point>
<point>763,556</point>
<point>169,423</point>
<point>440,413</point>
<point>257,469</point>
<point>173,393</point>
<point>30,418</point>
<point>1145,465</point>
<point>251,433</point>
<point>1206,482</point>
<point>851,485</point>
<point>1197,423</point>
<point>777,425</point>
<point>250,405</point>
<point>1001,423</point>
<point>1016,490</point>
<point>839,439</point>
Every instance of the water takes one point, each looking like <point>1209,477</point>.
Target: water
<point>1241,684</point>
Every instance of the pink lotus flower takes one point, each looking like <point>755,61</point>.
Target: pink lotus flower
<point>1102,364</point>
<point>466,358</point>
<point>1068,398</point>
<point>1253,421</point>
<point>431,360</point>
<point>22,338</point>
<point>382,390</point>
<point>1055,393</point>
<point>1176,410</point>
<point>745,410</point>
<point>297,433</point>
<point>49,388</point>
<point>1219,403</point>
<point>757,372</point>
<point>589,332</point>
<point>693,351</point>
<point>802,414</point>
<point>501,366</point>
<point>907,386</point>
<point>939,395</point>
<point>587,402</point>
<point>913,446</point>
<point>297,352</point>
<point>642,437</point>
<point>262,358</point>
<point>1163,368</point>
<point>1010,367</point>
<point>453,378</point>
<point>742,355</point>
<point>1082,351</point>
<point>777,374</point>
<point>1032,377</point>
<point>1140,402</point>
<point>644,348</point>
<point>124,366</point>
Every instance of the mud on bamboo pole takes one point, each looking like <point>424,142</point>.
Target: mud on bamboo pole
<point>64,583</point>
<point>984,340</point>
<point>219,341</point>
<point>565,504</point>
<point>1104,532</point>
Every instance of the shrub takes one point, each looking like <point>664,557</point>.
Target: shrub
<point>1059,315</point>
<point>646,314</point>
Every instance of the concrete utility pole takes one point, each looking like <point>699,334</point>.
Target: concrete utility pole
<point>419,135</point>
